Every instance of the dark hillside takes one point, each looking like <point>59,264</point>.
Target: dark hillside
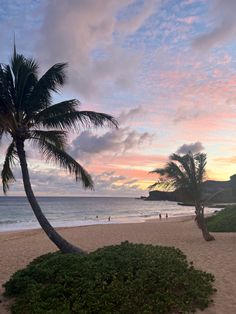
<point>216,191</point>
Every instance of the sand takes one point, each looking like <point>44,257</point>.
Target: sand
<point>17,249</point>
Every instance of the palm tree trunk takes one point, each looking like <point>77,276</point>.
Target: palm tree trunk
<point>201,222</point>
<point>58,240</point>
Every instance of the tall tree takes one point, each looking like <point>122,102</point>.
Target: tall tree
<point>186,174</point>
<point>27,113</point>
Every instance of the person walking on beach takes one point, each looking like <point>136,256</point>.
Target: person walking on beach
<point>166,216</point>
<point>160,216</point>
<point>109,218</point>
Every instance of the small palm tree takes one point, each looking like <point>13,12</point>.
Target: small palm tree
<point>28,114</point>
<point>186,174</point>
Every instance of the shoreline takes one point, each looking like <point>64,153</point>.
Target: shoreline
<point>114,221</point>
<point>144,220</point>
<point>18,216</point>
<point>17,249</point>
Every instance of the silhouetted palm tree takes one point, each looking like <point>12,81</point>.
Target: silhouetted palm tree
<point>186,174</point>
<point>28,114</point>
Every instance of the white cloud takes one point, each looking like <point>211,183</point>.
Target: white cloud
<point>82,33</point>
<point>132,114</point>
<point>192,147</point>
<point>114,141</point>
<point>47,183</point>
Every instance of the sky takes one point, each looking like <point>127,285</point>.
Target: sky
<point>165,69</point>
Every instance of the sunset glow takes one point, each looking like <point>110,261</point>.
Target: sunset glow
<point>165,69</point>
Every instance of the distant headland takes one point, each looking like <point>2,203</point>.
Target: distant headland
<point>214,191</point>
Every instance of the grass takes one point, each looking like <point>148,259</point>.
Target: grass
<point>223,221</point>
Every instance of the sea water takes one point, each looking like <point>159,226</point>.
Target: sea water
<point>16,213</point>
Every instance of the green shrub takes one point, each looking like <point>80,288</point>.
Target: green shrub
<point>223,221</point>
<point>126,278</point>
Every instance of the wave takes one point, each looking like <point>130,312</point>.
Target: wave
<point>19,221</point>
<point>5,222</point>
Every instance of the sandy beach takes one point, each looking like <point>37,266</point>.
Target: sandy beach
<point>17,249</point>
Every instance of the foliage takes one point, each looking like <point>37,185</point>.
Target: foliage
<point>183,173</point>
<point>27,113</point>
<point>223,221</point>
<point>124,278</point>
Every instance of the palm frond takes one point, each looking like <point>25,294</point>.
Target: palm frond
<point>174,172</point>
<point>185,173</point>
<point>55,137</point>
<point>160,171</point>
<point>54,154</point>
<point>201,164</point>
<point>24,70</point>
<point>9,87</point>
<point>183,161</point>
<point>21,78</point>
<point>6,90</point>
<point>27,80</point>
<point>26,112</point>
<point>55,110</point>
<point>16,61</point>
<point>169,172</point>
<point>1,132</point>
<point>51,81</point>
<point>97,119</point>
<point>7,122</point>
<point>77,119</point>
<point>152,186</point>
<point>7,174</point>
<point>169,176</point>
<point>193,164</point>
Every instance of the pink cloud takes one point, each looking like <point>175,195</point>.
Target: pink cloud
<point>205,126</point>
<point>130,166</point>
<point>226,160</point>
<point>188,19</point>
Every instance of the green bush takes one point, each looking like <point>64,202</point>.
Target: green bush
<point>223,221</point>
<point>126,278</point>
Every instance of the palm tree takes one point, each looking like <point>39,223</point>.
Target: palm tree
<point>186,174</point>
<point>27,113</point>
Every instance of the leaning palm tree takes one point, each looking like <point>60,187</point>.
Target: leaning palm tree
<point>186,174</point>
<point>27,113</point>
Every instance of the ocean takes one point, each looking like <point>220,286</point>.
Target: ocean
<point>16,214</point>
